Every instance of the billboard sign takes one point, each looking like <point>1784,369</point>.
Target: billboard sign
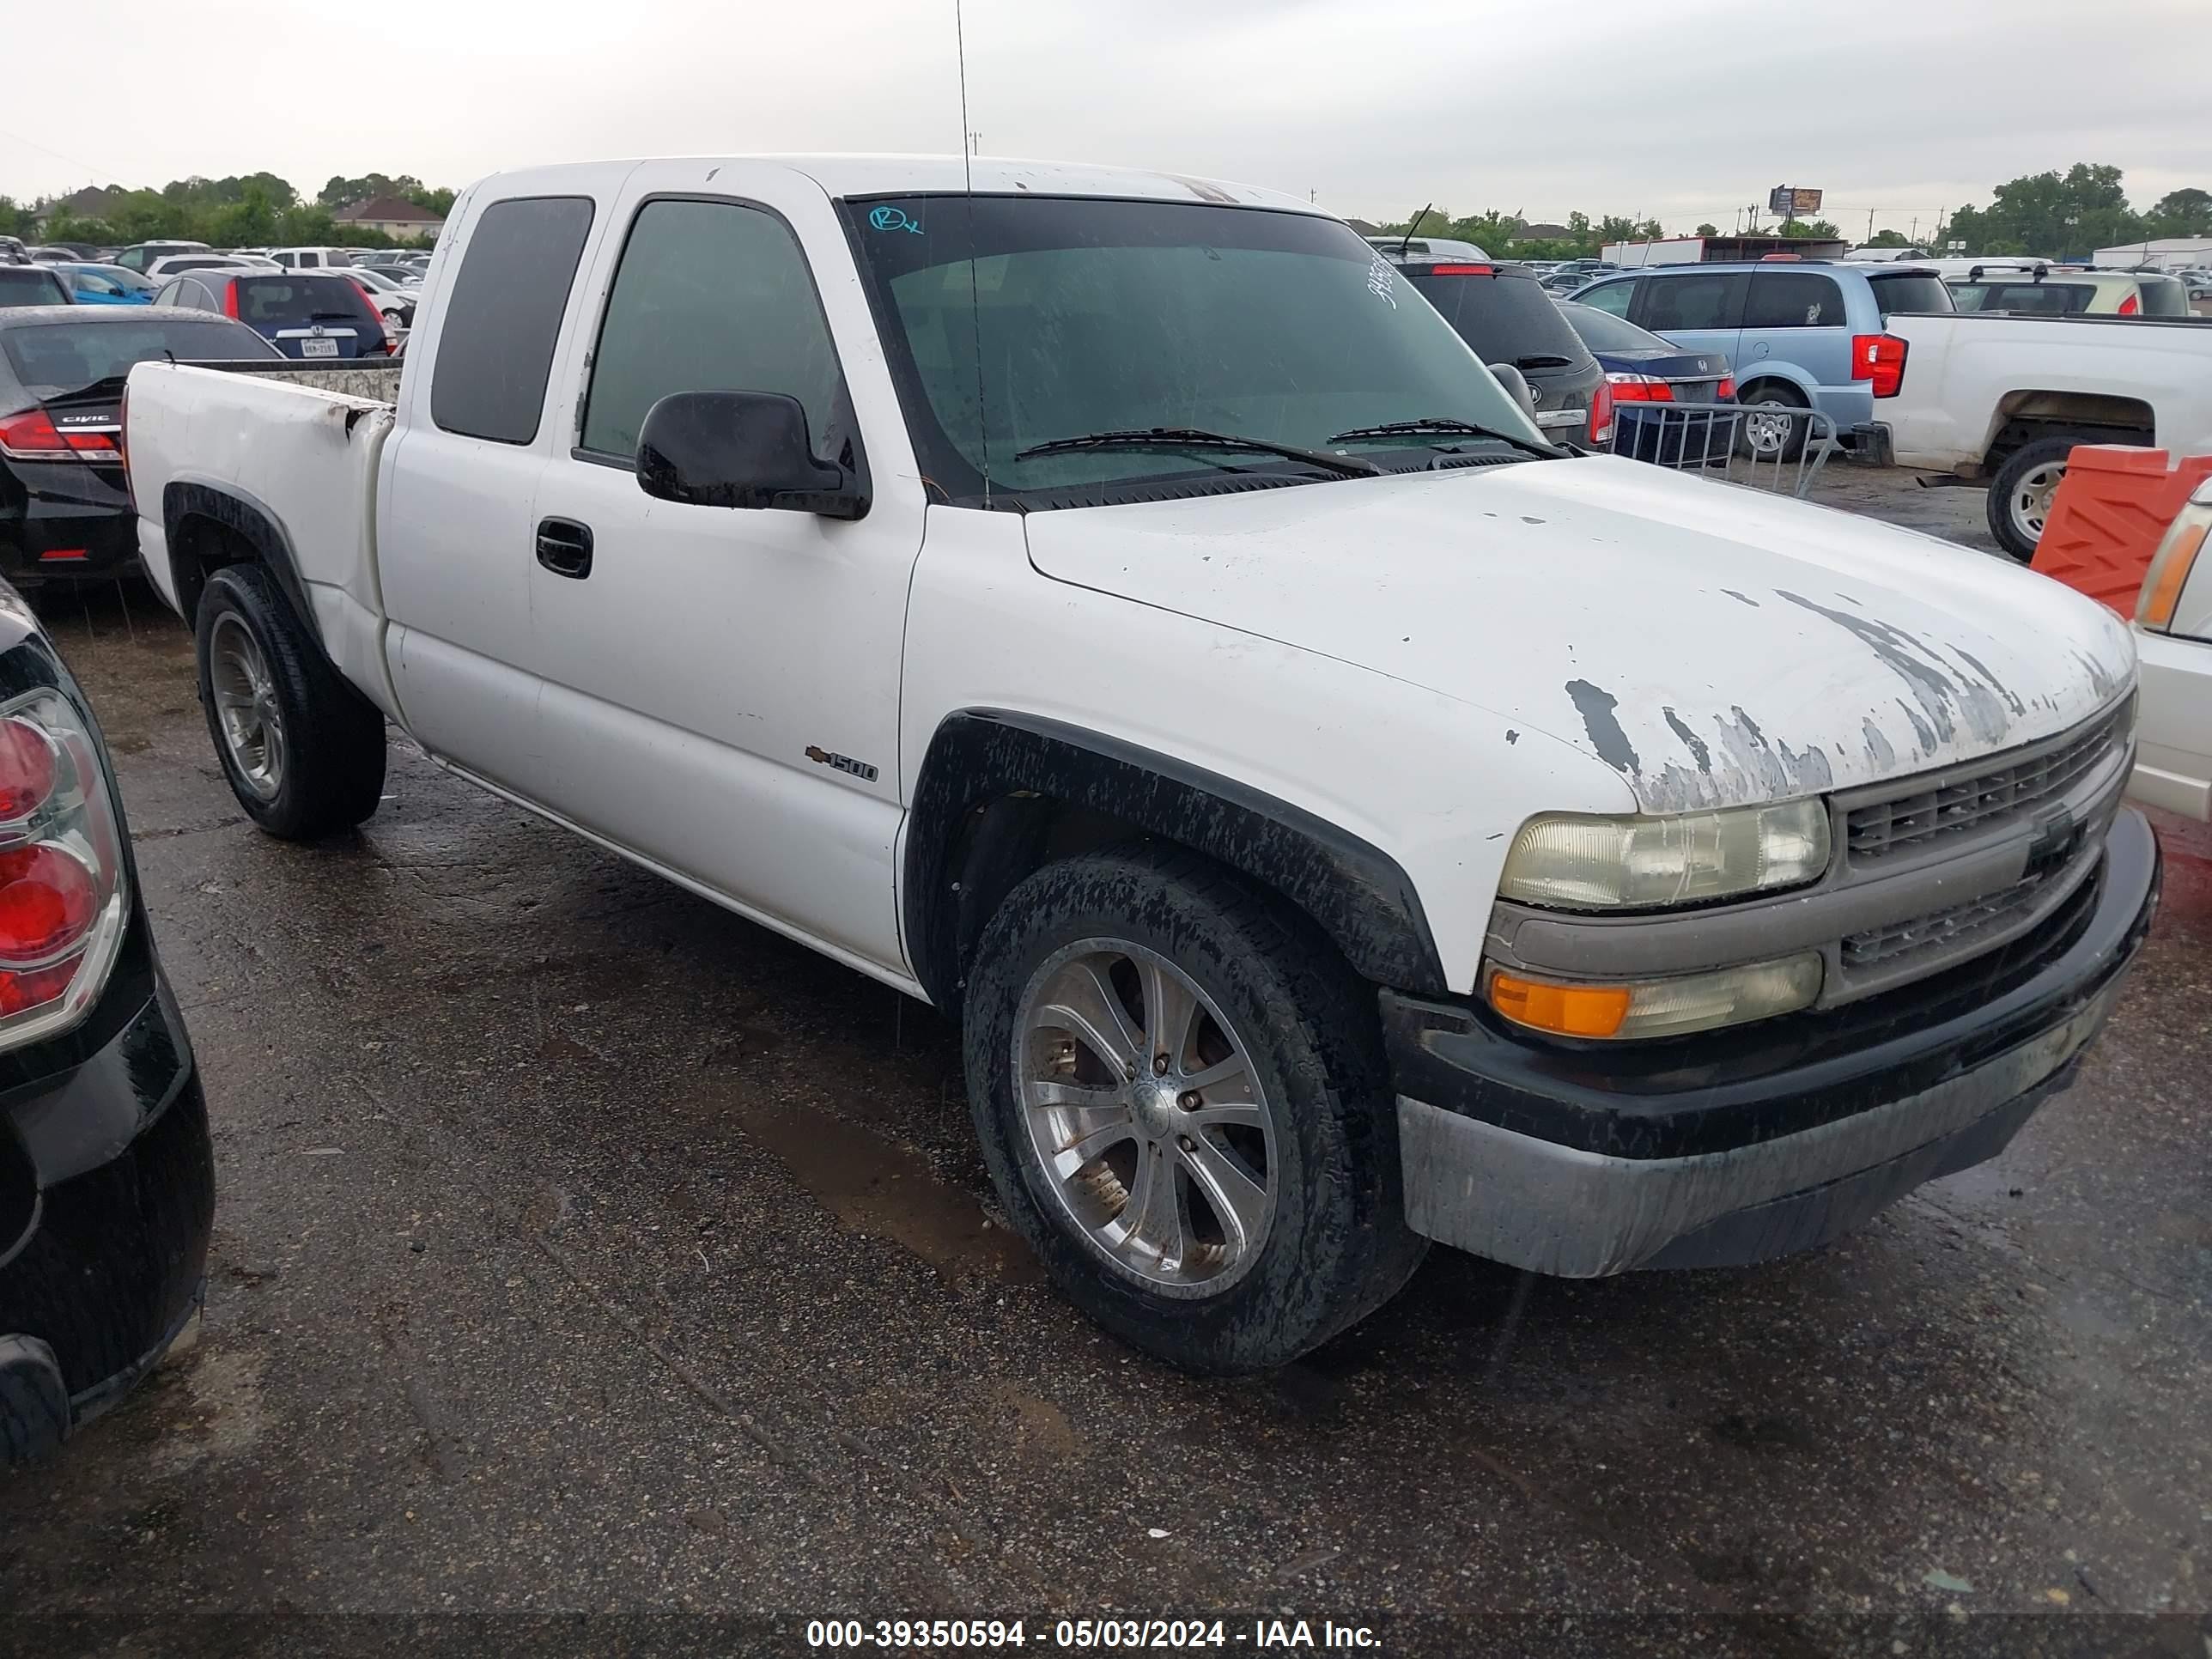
<point>1790,201</point>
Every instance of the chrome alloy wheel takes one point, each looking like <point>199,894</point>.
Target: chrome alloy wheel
<point>1767,433</point>
<point>1145,1117</point>
<point>2030,505</point>
<point>246,704</point>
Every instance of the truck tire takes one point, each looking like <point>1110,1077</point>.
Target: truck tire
<point>2020,496</point>
<point>1181,1094</point>
<point>1765,436</point>
<point>34,1407</point>
<point>304,751</point>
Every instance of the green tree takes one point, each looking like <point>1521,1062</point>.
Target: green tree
<point>1887,239</point>
<point>2052,213</point>
<point>1706,230</point>
<point>2181,213</point>
<point>1820,229</point>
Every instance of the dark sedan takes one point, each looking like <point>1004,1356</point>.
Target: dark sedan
<point>106,1172</point>
<point>65,511</point>
<point>1651,378</point>
<point>1506,317</point>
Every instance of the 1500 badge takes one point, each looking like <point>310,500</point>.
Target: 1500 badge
<point>860,769</point>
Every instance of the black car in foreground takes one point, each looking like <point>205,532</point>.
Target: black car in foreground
<point>65,511</point>
<point>1505,316</point>
<point>107,1170</point>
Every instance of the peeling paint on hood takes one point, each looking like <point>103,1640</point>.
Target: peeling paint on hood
<point>1712,645</point>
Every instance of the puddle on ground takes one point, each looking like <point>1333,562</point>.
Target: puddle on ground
<point>873,1185</point>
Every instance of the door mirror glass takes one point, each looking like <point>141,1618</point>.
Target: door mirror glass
<point>747,449</point>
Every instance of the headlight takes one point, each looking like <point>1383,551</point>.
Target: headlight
<point>1580,863</point>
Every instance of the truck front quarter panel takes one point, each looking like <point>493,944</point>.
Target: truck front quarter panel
<point>1384,810</point>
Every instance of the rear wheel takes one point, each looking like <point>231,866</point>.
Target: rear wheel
<point>304,751</point>
<point>2021,493</point>
<point>1181,1101</point>
<point>1769,431</point>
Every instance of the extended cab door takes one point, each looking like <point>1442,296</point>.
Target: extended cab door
<point>459,475</point>
<point>720,685</point>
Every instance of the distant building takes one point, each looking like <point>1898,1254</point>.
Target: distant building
<point>392,215</point>
<point>1705,250</point>
<point>1364,227</point>
<point>93,202</point>
<point>1541,233</point>
<point>2170,252</point>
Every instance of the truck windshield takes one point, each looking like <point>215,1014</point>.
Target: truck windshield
<point>1088,316</point>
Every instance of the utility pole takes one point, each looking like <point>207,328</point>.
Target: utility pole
<point>1869,224</point>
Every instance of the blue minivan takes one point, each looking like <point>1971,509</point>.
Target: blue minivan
<point>1802,334</point>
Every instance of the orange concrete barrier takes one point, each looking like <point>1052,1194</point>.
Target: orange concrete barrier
<point>2109,513</point>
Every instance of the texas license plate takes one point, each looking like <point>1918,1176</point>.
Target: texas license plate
<point>318,347</point>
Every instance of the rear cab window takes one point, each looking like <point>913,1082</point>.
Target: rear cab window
<point>502,320</point>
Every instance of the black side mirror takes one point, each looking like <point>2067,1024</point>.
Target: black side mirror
<point>741,449</point>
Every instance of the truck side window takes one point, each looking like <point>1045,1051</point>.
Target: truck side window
<point>1793,299</point>
<point>503,318</point>
<point>710,296</point>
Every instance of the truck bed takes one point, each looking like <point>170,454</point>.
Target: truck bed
<point>302,442</point>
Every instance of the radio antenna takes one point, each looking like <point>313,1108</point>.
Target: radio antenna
<point>968,182</point>
<point>1414,225</point>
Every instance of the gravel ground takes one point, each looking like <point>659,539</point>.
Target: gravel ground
<point>596,1272</point>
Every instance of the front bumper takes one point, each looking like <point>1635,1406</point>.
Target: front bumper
<point>1581,1160</point>
<point>106,1201</point>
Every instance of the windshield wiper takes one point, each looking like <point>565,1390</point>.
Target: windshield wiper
<point>1185,437</point>
<point>1467,429</point>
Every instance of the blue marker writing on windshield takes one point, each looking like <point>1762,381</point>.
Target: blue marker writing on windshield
<point>890,218</point>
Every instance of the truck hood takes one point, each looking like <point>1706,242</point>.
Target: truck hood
<point>1715,646</point>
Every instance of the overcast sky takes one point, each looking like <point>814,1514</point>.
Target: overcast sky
<point>1683,111</point>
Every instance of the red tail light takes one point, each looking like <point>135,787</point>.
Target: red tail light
<point>31,436</point>
<point>230,299</point>
<point>1462,270</point>
<point>2130,306</point>
<point>62,902</point>
<point>1639,389</point>
<point>1878,358</point>
<point>1725,390</point>
<point>1600,415</point>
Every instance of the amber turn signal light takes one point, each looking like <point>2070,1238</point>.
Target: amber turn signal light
<point>1583,1011</point>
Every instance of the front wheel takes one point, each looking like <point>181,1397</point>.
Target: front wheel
<point>1181,1101</point>
<point>2022,494</point>
<point>303,750</point>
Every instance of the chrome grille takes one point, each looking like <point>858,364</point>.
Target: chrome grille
<point>2006,789</point>
<point>1946,930</point>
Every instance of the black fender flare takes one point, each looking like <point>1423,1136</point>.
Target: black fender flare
<point>247,519</point>
<point>1358,895</point>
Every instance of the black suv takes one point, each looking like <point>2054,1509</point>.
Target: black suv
<point>1503,314</point>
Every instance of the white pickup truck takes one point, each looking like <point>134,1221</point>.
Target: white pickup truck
<point>1117,608</point>
<point>2002,399</point>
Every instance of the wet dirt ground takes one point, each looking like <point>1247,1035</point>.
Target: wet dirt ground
<point>594,1271</point>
